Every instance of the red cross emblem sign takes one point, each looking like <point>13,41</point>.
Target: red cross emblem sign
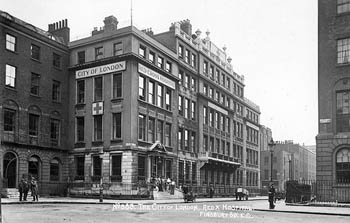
<point>97,108</point>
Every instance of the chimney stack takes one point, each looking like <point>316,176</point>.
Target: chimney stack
<point>186,26</point>
<point>111,23</point>
<point>60,29</point>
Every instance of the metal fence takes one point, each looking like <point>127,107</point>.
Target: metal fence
<point>317,191</point>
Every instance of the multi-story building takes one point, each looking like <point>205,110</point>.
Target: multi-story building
<point>290,161</point>
<point>333,139</point>
<point>166,105</point>
<point>34,98</point>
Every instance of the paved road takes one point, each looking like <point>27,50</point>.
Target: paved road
<point>196,212</point>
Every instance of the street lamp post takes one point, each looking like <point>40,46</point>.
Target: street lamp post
<point>271,144</point>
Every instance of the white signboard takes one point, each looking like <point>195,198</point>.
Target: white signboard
<point>158,77</point>
<point>109,68</point>
<point>97,108</point>
<point>217,108</point>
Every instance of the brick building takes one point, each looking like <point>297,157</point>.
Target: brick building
<point>33,106</point>
<point>333,139</point>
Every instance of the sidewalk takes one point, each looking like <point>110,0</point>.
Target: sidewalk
<point>256,203</point>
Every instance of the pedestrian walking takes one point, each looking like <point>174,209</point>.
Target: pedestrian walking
<point>172,187</point>
<point>34,189</point>
<point>272,192</point>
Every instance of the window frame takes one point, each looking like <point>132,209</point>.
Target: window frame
<point>10,44</point>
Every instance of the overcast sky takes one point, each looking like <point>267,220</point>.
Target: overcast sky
<point>273,43</point>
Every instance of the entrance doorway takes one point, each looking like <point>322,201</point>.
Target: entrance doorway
<point>10,170</point>
<point>34,167</point>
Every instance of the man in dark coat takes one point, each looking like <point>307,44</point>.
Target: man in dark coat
<point>272,193</point>
<point>34,189</point>
<point>23,189</point>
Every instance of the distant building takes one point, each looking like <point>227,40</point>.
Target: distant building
<point>333,139</point>
<point>289,162</point>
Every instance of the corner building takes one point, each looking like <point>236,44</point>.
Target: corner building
<point>168,105</point>
<point>333,139</point>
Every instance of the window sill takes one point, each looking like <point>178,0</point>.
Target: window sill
<point>56,102</point>
<point>10,51</point>
<point>116,99</point>
<point>36,60</point>
<point>97,143</point>
<point>35,96</point>
<point>79,145</point>
<point>11,88</point>
<point>57,68</point>
<point>116,140</point>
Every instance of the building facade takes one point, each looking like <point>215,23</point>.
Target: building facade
<point>169,106</point>
<point>333,139</point>
<point>33,106</point>
<point>290,161</point>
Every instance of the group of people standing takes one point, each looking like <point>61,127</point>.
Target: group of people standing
<point>25,186</point>
<point>162,184</point>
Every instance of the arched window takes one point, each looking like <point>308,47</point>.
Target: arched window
<point>343,165</point>
<point>55,170</point>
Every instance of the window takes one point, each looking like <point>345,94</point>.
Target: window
<point>211,72</point>
<point>181,171</point>
<point>141,166</point>
<point>80,167</point>
<point>205,67</point>
<point>228,124</point>
<point>343,51</point>
<point>160,96</point>
<point>181,51</point>
<point>151,92</point>
<point>81,57</point>
<point>98,53</point>
<point>142,93</point>
<point>205,143</point>
<point>205,115</point>
<point>56,91</point>
<point>55,132</point>
<point>187,81</point>
<point>343,111</point>
<point>228,84</point>
<point>56,62</point>
<point>96,166</point>
<point>117,126</point>
<point>9,120</point>
<point>116,174</point>
<point>168,134</point>
<point>98,88</point>
<point>193,60</point>
<point>217,96</point>
<point>54,170</point>
<point>193,110</point>
<point>151,123</point>
<point>10,42</point>
<point>98,128</point>
<point>211,118</point>
<point>211,144</point>
<point>217,117</point>
<point>10,76</point>
<point>193,84</point>
<point>142,127</point>
<point>186,140</point>
<point>142,51</point>
<point>187,108</point>
<point>160,131</point>
<point>180,105</point>
<point>34,166</point>
<point>168,66</point>
<point>151,57</point>
<point>160,62</point>
<point>117,85</point>
<point>205,89</point>
<point>168,99</point>
<point>181,76</point>
<point>218,145</point>
<point>193,142</point>
<point>35,52</point>
<point>343,6</point>
<point>187,171</point>
<point>211,93</point>
<point>81,91</point>
<point>179,139</point>
<point>80,129</point>
<point>187,56</point>
<point>343,165</point>
<point>33,125</point>
<point>34,88</point>
<point>217,76</point>
<point>118,49</point>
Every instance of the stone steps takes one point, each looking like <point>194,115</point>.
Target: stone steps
<point>10,192</point>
